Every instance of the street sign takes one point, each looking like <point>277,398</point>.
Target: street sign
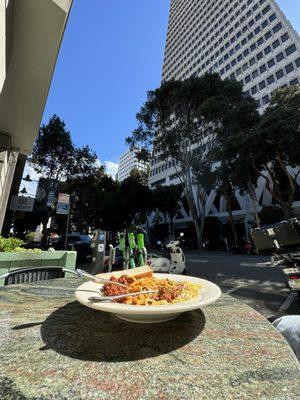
<point>22,203</point>
<point>63,198</point>
<point>63,202</point>
<point>62,208</point>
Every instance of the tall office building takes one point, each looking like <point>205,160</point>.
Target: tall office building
<point>247,40</point>
<point>128,161</point>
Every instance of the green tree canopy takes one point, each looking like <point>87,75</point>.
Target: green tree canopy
<point>181,117</point>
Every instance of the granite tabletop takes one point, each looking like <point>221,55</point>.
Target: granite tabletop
<point>52,347</point>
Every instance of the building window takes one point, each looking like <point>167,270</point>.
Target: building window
<point>257,30</point>
<point>279,57</point>
<point>267,50</point>
<point>272,17</point>
<point>247,79</point>
<point>294,82</point>
<point>259,56</point>
<point>266,9</point>
<point>284,37</point>
<point>262,68</point>
<point>270,80</point>
<point>254,90</point>
<point>268,35</point>
<point>255,74</point>
<point>297,62</point>
<point>289,68</point>
<point>260,42</point>
<point>279,74</point>
<point>265,100</point>
<point>290,50</point>
<point>276,44</point>
<point>262,85</point>
<point>277,27</point>
<point>271,63</point>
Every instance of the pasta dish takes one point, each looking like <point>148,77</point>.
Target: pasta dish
<point>167,291</point>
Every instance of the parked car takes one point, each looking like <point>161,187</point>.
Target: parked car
<point>78,242</point>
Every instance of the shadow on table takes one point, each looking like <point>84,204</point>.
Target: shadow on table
<point>86,334</point>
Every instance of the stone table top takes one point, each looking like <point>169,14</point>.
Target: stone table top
<point>52,347</point>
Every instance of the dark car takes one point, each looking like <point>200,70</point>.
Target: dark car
<point>77,242</point>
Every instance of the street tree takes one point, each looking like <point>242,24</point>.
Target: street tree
<point>167,200</point>
<point>170,124</point>
<point>53,150</point>
<point>61,164</point>
<point>264,147</point>
<point>275,148</point>
<point>181,117</point>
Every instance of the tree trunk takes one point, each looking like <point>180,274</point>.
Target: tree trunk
<point>199,226</point>
<point>172,230</point>
<point>231,220</point>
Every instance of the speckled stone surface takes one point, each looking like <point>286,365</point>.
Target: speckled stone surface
<point>51,347</point>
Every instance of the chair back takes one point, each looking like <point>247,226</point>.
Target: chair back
<point>27,275</point>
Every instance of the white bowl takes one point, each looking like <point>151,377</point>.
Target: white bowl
<point>209,293</point>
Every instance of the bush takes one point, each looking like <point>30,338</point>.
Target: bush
<point>10,244</point>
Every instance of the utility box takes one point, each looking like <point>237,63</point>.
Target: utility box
<point>98,247</point>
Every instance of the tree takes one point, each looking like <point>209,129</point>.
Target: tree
<point>182,116</point>
<point>53,150</point>
<point>225,167</point>
<point>58,161</point>
<point>275,149</point>
<point>84,197</point>
<point>170,123</point>
<point>211,173</point>
<point>266,147</point>
<point>167,199</point>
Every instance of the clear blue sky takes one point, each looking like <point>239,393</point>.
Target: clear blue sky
<point>111,54</point>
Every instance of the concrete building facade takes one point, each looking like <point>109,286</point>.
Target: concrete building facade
<point>127,162</point>
<point>248,40</point>
<point>30,36</point>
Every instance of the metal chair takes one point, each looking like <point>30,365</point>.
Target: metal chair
<point>34,274</point>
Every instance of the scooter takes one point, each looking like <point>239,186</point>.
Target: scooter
<point>175,264</point>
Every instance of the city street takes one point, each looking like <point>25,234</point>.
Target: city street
<point>248,278</point>
<point>251,279</point>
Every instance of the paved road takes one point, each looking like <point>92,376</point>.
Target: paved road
<point>249,278</point>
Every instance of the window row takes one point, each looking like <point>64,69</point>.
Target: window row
<point>196,38</point>
<point>279,74</point>
<point>263,67</point>
<point>234,49</point>
<point>265,100</point>
<point>223,14</point>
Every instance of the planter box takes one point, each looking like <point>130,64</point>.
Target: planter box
<point>11,261</point>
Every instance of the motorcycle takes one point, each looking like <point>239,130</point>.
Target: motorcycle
<point>174,263</point>
<point>290,264</point>
<point>283,240</point>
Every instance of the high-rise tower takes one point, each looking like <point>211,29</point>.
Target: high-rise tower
<point>247,40</point>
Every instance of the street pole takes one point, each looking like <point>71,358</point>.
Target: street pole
<point>67,226</point>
